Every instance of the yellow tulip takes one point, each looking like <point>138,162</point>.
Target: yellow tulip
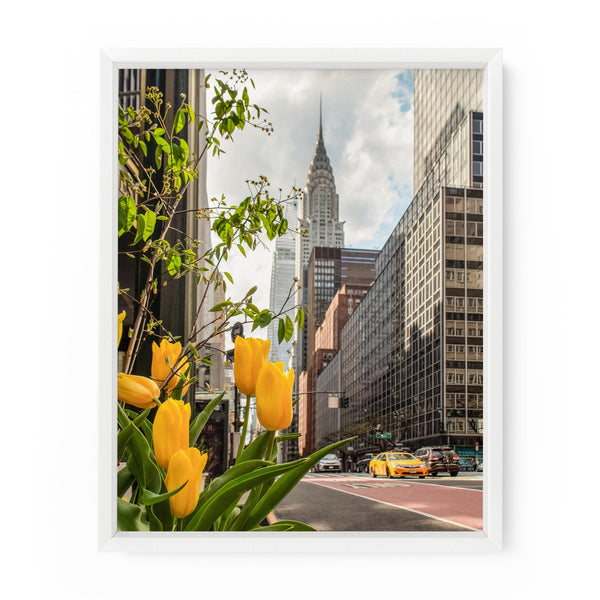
<point>164,359</point>
<point>185,465</point>
<point>274,396</point>
<point>249,356</point>
<point>171,430</point>
<point>120,318</point>
<point>137,390</point>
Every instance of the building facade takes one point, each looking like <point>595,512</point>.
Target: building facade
<point>328,390</point>
<point>182,305</point>
<point>411,354</point>
<point>282,292</point>
<point>329,270</point>
<point>442,100</point>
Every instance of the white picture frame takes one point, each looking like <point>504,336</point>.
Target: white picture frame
<point>487,540</point>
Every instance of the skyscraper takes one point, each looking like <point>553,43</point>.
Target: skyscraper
<point>329,270</point>
<point>411,354</point>
<point>282,292</point>
<point>319,225</point>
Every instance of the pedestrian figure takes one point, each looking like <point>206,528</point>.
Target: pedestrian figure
<point>474,463</point>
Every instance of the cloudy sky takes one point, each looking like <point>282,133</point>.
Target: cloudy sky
<point>368,133</point>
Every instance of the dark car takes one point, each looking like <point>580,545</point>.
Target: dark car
<point>362,466</point>
<point>439,459</point>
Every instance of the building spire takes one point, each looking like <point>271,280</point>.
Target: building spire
<point>320,115</point>
<point>320,142</point>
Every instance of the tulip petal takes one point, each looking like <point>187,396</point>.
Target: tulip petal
<point>250,356</point>
<point>185,465</point>
<point>274,397</point>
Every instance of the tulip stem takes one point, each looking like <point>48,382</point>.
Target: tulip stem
<point>270,441</point>
<point>244,428</point>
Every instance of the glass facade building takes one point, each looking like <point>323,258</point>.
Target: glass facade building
<point>329,269</point>
<point>282,292</point>
<point>411,355</point>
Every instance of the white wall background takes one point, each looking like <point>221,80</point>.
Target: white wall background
<point>50,242</point>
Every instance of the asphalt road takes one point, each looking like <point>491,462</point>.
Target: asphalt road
<point>356,502</point>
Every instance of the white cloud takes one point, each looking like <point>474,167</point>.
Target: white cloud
<point>368,140</point>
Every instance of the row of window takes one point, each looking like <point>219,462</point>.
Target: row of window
<point>456,204</point>
<point>457,328</point>
<point>459,302</point>
<point>474,352</point>
<point>457,252</point>
<point>474,276</point>
<point>458,377</point>
<point>474,229</point>
<point>460,426</point>
<point>457,400</point>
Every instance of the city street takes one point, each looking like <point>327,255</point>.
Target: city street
<point>358,502</point>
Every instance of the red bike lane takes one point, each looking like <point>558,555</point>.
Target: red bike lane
<point>455,504</point>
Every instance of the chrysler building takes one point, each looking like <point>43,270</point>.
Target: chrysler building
<point>318,224</point>
<point>319,220</point>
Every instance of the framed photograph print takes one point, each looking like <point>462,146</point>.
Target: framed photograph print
<point>302,310</point>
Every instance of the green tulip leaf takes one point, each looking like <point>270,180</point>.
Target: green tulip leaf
<point>279,490</point>
<point>122,416</point>
<point>130,517</point>
<point>255,449</point>
<point>160,517</point>
<point>142,464</point>
<point>177,390</point>
<point>125,480</point>
<point>287,436</point>
<point>286,526</point>
<point>239,523</point>
<point>125,434</point>
<point>229,475</point>
<point>200,421</point>
<point>231,518</point>
<point>149,498</point>
<point>212,509</point>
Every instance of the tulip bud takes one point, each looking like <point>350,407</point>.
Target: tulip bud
<point>120,319</point>
<point>274,396</point>
<point>249,356</point>
<point>164,359</point>
<point>170,431</point>
<point>185,465</point>
<point>137,390</point>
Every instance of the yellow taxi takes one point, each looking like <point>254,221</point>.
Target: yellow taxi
<point>392,464</point>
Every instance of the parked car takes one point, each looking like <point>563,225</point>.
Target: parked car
<point>439,459</point>
<point>392,464</point>
<point>330,462</point>
<point>362,466</point>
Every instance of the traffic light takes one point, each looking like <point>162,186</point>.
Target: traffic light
<point>345,402</point>
<point>370,433</point>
